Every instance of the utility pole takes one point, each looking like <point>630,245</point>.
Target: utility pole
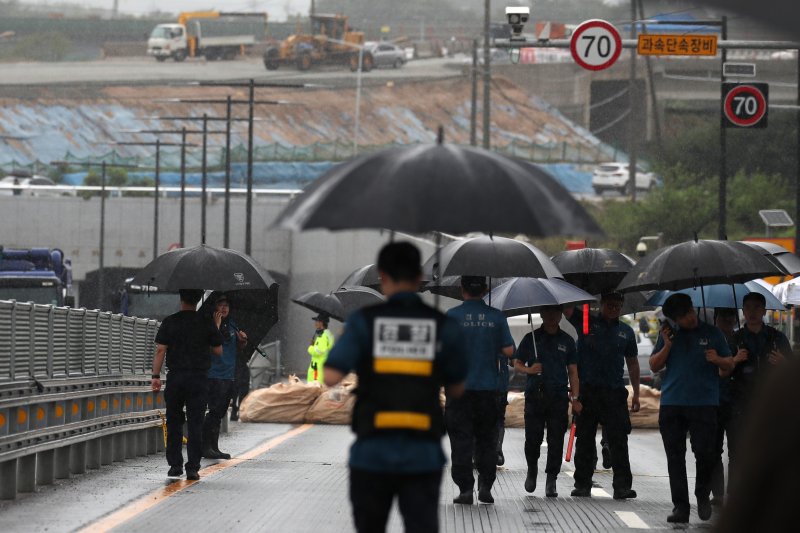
<point>632,140</point>
<point>204,180</point>
<point>487,74</point>
<point>248,229</point>
<point>227,227</point>
<point>651,82</point>
<point>473,116</point>
<point>723,160</point>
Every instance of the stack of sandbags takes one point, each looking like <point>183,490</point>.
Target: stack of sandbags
<point>286,402</point>
<point>650,402</point>
<point>515,410</point>
<point>335,405</point>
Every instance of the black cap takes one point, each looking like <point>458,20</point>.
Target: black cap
<point>322,317</point>
<point>222,298</point>
<point>473,282</point>
<point>613,295</point>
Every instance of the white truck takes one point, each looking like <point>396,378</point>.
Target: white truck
<point>212,34</point>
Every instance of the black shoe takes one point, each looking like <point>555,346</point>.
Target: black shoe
<point>625,494</point>
<point>550,487</point>
<point>530,481</point>
<point>717,501</point>
<point>215,445</point>
<point>501,459</point>
<point>678,517</point>
<point>209,453</point>
<point>234,415</point>
<point>192,475</point>
<point>704,509</point>
<point>175,471</point>
<point>606,458</point>
<point>581,492</point>
<point>464,498</point>
<point>485,495</point>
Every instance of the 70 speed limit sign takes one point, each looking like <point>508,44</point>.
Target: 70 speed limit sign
<point>745,105</point>
<point>595,44</point>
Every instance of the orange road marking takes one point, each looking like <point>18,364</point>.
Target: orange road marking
<point>141,505</point>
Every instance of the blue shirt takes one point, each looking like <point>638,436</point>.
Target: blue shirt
<point>555,351</point>
<point>224,366</point>
<point>397,452</point>
<point>485,331</point>
<point>688,378</point>
<point>602,353</point>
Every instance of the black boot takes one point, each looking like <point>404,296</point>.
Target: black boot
<point>530,480</point>
<point>485,494</point>
<point>215,446</point>
<point>208,443</point>
<point>550,487</point>
<point>464,497</point>
<point>234,413</point>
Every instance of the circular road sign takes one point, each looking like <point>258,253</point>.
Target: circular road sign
<point>595,44</point>
<point>745,105</point>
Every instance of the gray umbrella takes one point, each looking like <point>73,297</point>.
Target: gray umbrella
<point>522,296</point>
<point>779,255</point>
<point>355,298</point>
<point>321,303</point>
<point>366,276</point>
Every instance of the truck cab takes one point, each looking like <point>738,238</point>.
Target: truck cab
<point>146,302</point>
<point>168,41</point>
<point>38,275</point>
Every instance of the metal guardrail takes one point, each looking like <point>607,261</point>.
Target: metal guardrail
<point>74,393</point>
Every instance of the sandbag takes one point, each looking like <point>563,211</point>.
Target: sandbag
<point>650,403</point>
<point>286,402</point>
<point>335,405</point>
<point>515,410</point>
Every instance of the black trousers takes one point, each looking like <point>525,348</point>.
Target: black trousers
<point>242,383</point>
<point>553,416</point>
<point>189,389</point>
<point>723,428</point>
<point>473,419</point>
<point>220,392</point>
<point>372,494</point>
<point>502,402</point>
<point>609,407</point>
<point>700,422</point>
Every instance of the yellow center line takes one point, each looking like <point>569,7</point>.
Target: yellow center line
<point>144,503</point>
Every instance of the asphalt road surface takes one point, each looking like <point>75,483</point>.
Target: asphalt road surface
<point>295,479</point>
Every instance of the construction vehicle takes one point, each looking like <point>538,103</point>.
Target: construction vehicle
<point>38,275</point>
<point>212,34</point>
<point>330,42</point>
<point>145,302</point>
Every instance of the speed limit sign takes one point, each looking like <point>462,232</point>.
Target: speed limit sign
<point>595,44</point>
<point>745,105</point>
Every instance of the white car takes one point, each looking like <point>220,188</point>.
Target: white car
<point>616,177</point>
<point>30,186</point>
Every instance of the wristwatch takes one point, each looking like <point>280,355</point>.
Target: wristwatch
<point>575,398</point>
<point>156,376</point>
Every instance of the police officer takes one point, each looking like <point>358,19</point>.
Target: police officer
<point>548,364</point>
<point>403,351</point>
<point>472,419</point>
<point>602,353</point>
<point>502,403</point>
<point>184,340</point>
<point>320,347</point>
<point>693,354</point>
<point>763,349</point>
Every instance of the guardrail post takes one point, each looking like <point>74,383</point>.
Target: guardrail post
<point>141,441</point>
<point>62,463</point>
<point>93,454</point>
<point>78,458</point>
<point>153,434</point>
<point>8,479</point>
<point>118,446</point>
<point>107,450</point>
<point>45,464</point>
<point>26,473</point>
<point>130,444</point>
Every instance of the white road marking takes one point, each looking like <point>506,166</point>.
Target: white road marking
<point>631,520</point>
<point>570,473</point>
<point>600,493</point>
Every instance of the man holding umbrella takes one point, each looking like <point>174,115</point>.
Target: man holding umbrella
<point>320,347</point>
<point>602,352</point>
<point>548,363</point>
<point>693,354</point>
<point>472,419</point>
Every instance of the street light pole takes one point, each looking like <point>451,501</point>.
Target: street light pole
<point>227,223</point>
<point>487,75</point>
<point>182,238</point>
<point>248,229</point>
<point>155,200</point>
<point>204,181</point>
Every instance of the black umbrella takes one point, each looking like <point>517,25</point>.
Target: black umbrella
<point>522,296</point>
<point>204,267</point>
<point>595,270</point>
<point>366,276</point>
<point>354,298</point>
<point>496,257</point>
<point>778,254</point>
<point>253,311</point>
<point>321,303</point>
<point>450,286</point>
<point>692,263</point>
<point>439,187</point>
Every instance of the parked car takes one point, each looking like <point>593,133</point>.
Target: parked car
<point>26,186</point>
<point>616,177</point>
<point>387,54</point>
<point>646,376</point>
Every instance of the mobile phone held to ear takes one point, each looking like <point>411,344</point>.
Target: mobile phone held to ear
<point>667,326</point>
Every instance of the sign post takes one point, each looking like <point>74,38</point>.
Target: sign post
<point>745,105</point>
<point>595,44</point>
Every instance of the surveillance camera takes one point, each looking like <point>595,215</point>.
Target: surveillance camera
<point>517,17</point>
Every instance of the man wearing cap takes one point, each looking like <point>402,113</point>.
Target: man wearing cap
<point>602,352</point>
<point>472,419</point>
<point>693,353</point>
<point>549,365</point>
<point>403,352</point>
<point>320,347</point>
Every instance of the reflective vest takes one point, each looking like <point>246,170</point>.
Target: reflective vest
<point>399,383</point>
<point>319,353</point>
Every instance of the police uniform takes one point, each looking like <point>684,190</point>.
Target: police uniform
<point>601,359</point>
<point>723,426</point>
<point>221,389</point>
<point>546,399</point>
<point>472,419</point>
<point>689,400</point>
<point>403,351</point>
<point>502,402</point>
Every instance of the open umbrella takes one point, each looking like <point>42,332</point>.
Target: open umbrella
<point>778,254</point>
<point>366,276</point>
<point>204,267</point>
<point>354,298</point>
<point>321,303</point>
<point>253,311</point>
<point>720,296</point>
<point>595,270</point>
<point>520,296</point>
<point>439,187</point>
<point>450,286</point>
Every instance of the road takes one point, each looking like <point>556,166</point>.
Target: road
<point>147,70</point>
<point>296,480</point>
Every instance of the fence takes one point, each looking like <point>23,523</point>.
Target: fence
<point>74,393</point>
